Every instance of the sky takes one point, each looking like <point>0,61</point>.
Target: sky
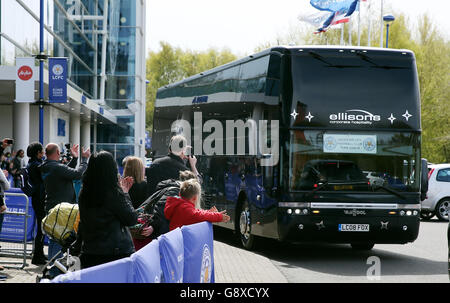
<point>242,25</point>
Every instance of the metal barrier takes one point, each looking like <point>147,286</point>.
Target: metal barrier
<point>15,245</point>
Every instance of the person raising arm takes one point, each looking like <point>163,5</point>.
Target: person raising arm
<point>184,210</point>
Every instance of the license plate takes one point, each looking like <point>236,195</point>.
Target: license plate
<point>354,227</point>
<point>343,187</point>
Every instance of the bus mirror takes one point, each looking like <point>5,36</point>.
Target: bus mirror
<point>264,156</point>
<point>424,180</point>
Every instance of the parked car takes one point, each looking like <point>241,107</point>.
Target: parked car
<point>438,196</point>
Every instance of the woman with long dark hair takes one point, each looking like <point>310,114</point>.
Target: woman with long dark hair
<point>105,212</point>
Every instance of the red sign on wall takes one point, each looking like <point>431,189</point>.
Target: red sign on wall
<point>25,73</point>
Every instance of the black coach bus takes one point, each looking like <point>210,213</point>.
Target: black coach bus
<point>348,165</point>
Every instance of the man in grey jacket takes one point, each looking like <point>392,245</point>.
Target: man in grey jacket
<point>58,178</point>
<point>58,182</point>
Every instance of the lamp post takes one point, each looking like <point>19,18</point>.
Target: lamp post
<point>41,57</point>
<point>388,19</point>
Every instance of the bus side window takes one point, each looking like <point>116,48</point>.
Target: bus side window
<point>216,173</point>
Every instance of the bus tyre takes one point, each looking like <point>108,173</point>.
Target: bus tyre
<point>443,209</point>
<point>427,215</point>
<point>244,227</point>
<point>362,246</point>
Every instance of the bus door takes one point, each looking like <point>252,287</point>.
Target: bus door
<point>233,176</point>
<point>267,200</point>
<point>214,183</point>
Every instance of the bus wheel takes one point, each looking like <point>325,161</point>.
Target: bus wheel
<point>245,226</point>
<point>362,246</point>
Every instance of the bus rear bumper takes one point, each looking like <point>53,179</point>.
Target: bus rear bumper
<point>383,229</point>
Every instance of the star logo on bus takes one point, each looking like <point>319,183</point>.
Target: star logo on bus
<point>309,116</point>
<point>294,114</point>
<point>407,115</point>
<point>384,225</point>
<point>392,118</point>
<point>320,225</point>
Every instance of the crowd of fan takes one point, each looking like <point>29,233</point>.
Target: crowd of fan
<point>118,214</point>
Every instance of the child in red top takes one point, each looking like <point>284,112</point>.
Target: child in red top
<point>182,211</point>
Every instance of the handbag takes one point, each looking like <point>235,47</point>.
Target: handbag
<point>145,220</point>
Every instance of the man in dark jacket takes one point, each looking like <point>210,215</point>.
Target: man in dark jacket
<point>58,182</point>
<point>170,166</point>
<point>35,152</point>
<point>58,178</point>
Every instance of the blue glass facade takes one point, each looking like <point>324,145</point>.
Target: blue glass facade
<point>71,31</point>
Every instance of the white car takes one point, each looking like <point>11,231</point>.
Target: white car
<point>438,195</point>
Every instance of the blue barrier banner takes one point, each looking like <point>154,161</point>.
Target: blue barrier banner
<point>171,252</point>
<point>198,253</point>
<point>13,225</point>
<point>119,271</point>
<point>57,80</point>
<point>147,268</point>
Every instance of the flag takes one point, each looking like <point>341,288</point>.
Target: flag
<point>333,19</point>
<point>341,10</point>
<point>344,7</point>
<point>323,20</point>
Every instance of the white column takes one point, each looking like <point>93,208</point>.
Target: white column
<point>74,130</point>
<point>86,134</point>
<point>95,136</point>
<point>21,127</point>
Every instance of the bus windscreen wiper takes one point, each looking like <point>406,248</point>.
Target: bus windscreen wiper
<point>322,59</point>
<point>322,185</point>
<point>366,58</point>
<point>390,190</point>
<point>322,181</point>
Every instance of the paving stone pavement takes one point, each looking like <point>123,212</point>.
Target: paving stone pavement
<point>232,265</point>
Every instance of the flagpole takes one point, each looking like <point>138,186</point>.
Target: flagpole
<point>370,24</point>
<point>342,34</point>
<point>381,25</point>
<point>350,23</point>
<point>359,23</point>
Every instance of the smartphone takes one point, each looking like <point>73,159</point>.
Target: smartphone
<point>9,141</point>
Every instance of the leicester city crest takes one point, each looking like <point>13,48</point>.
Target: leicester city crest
<point>329,143</point>
<point>369,144</point>
<point>206,270</point>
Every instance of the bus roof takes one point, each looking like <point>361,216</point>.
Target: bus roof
<point>284,50</point>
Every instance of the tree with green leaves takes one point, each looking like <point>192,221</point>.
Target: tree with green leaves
<point>171,64</point>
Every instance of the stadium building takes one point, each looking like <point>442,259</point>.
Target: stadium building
<point>104,43</point>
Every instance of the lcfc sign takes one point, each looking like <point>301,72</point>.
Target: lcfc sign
<point>57,82</point>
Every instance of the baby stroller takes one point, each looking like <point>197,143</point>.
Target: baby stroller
<point>61,225</point>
